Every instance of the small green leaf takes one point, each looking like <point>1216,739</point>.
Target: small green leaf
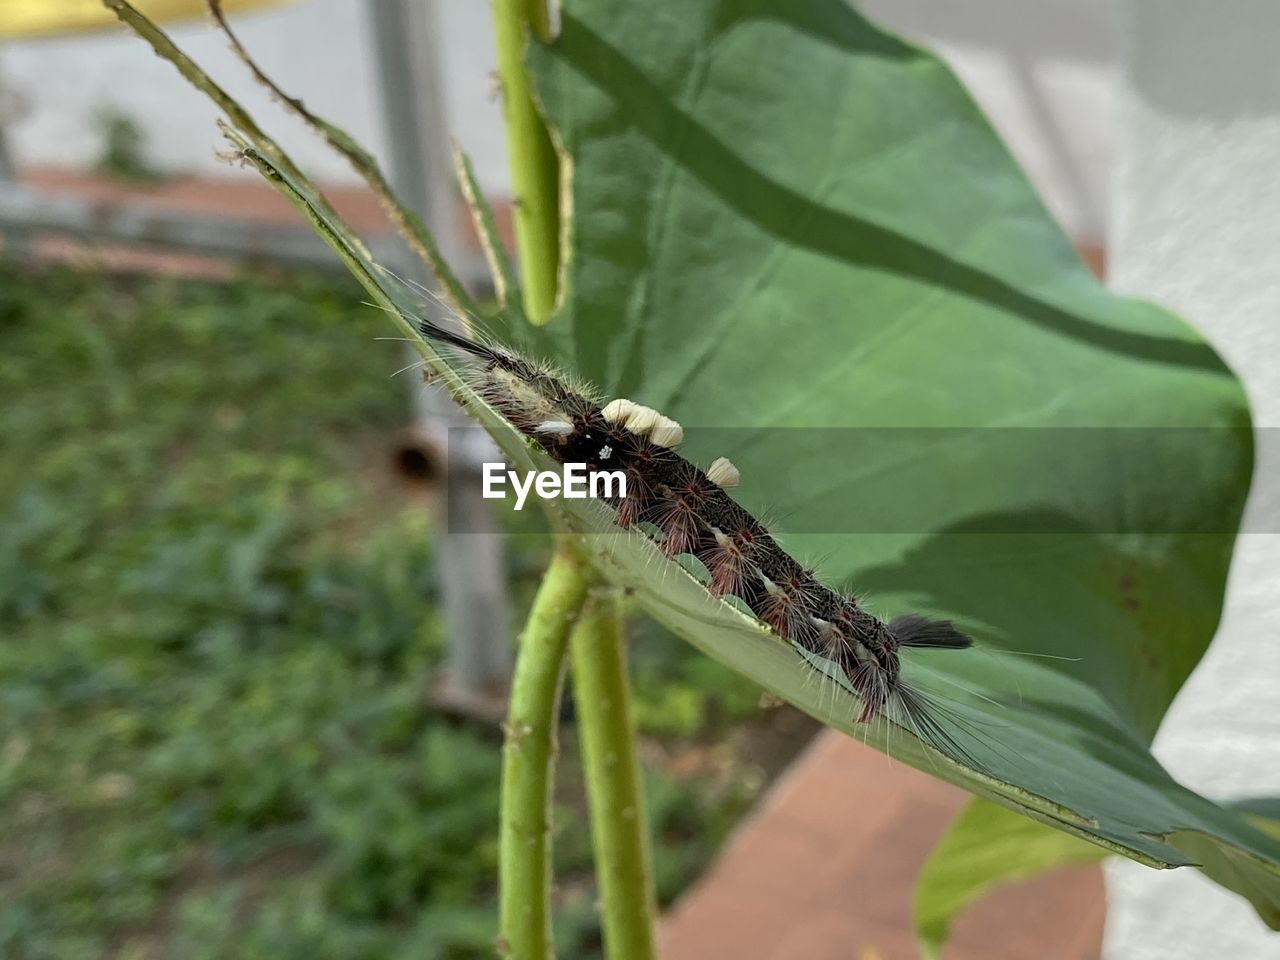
<point>407,221</point>
<point>986,846</point>
<point>501,268</point>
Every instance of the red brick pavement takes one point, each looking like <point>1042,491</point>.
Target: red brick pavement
<point>825,870</point>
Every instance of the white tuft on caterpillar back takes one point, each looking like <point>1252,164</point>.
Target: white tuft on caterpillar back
<point>723,473</point>
<point>644,421</point>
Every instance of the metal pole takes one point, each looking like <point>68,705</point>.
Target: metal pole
<point>473,579</point>
<point>13,240</point>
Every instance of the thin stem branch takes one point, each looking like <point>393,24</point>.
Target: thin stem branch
<point>535,168</point>
<point>528,759</point>
<point>619,824</point>
<point>410,224</point>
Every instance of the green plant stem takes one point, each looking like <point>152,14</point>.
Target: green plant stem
<point>528,759</point>
<point>535,168</point>
<point>619,825</point>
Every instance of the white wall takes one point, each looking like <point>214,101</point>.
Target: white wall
<point>1197,227</point>
<point>318,49</point>
<point>1043,71</point>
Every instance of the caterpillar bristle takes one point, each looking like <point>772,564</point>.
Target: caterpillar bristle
<point>432,331</point>
<point>727,559</point>
<point>678,521</point>
<point>925,719</point>
<point>914,630</point>
<point>639,501</point>
<point>874,690</point>
<point>554,428</point>
<point>785,608</point>
<point>832,643</point>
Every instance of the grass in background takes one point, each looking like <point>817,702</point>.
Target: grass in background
<point>219,622</point>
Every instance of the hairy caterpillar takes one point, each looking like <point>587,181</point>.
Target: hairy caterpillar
<point>694,515</point>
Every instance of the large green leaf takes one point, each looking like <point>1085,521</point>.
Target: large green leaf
<point>788,225</point>
<point>783,221</point>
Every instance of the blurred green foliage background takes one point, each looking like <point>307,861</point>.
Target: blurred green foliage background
<point>219,626</point>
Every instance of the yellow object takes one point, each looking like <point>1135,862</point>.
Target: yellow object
<point>31,18</point>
